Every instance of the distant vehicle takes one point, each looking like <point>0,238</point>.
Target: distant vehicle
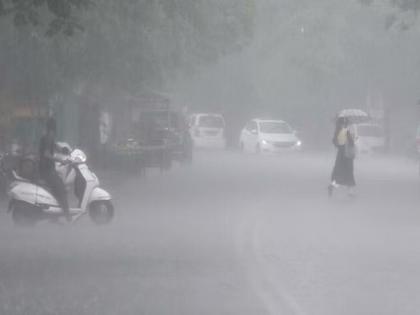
<point>271,136</point>
<point>418,147</point>
<point>208,130</point>
<point>163,134</point>
<point>370,138</point>
<point>418,140</point>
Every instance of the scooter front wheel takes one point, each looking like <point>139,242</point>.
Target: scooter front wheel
<point>101,212</point>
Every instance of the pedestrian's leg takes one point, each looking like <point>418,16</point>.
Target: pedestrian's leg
<point>334,175</point>
<point>59,190</point>
<point>351,191</point>
<point>330,190</point>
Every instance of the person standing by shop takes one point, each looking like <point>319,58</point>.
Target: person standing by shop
<point>343,171</point>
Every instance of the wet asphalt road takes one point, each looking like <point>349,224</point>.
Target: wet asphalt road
<point>232,234</point>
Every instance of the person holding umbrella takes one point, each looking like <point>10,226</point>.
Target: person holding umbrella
<point>343,171</point>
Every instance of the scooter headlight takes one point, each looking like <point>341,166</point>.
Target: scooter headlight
<point>78,156</point>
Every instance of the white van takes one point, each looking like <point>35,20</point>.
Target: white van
<point>370,138</point>
<point>208,130</point>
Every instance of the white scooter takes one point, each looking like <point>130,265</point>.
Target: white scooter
<point>31,202</point>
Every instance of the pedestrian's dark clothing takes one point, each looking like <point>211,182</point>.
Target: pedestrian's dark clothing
<point>58,189</point>
<point>46,165</point>
<point>343,172</point>
<point>49,174</point>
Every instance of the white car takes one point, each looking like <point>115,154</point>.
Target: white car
<point>418,140</point>
<point>370,138</point>
<point>271,136</point>
<point>208,130</point>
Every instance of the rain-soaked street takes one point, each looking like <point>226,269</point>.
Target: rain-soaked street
<point>231,234</point>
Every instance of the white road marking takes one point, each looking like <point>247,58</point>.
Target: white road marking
<point>274,297</point>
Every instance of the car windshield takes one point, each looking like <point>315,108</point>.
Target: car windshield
<point>370,131</point>
<point>160,119</point>
<point>211,121</point>
<point>275,127</point>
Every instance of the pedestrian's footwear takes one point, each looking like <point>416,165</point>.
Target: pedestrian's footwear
<point>351,192</point>
<point>68,217</point>
<point>330,190</point>
<point>56,220</point>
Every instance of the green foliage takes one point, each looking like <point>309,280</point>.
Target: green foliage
<point>62,14</point>
<point>407,5</point>
<point>126,45</point>
<point>403,16</point>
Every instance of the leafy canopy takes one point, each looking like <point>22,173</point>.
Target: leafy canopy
<point>61,14</point>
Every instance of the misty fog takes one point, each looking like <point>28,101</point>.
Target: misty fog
<point>209,157</point>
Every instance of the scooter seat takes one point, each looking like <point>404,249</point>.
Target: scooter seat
<point>42,183</point>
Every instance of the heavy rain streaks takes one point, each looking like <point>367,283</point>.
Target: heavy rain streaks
<point>207,150</point>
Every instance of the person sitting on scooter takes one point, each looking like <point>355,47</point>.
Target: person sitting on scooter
<point>47,159</point>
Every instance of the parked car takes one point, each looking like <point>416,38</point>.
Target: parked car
<point>165,130</point>
<point>418,140</point>
<point>370,138</point>
<point>271,136</point>
<point>208,130</point>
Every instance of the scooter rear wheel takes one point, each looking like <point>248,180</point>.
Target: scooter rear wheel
<point>23,214</point>
<point>101,212</point>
